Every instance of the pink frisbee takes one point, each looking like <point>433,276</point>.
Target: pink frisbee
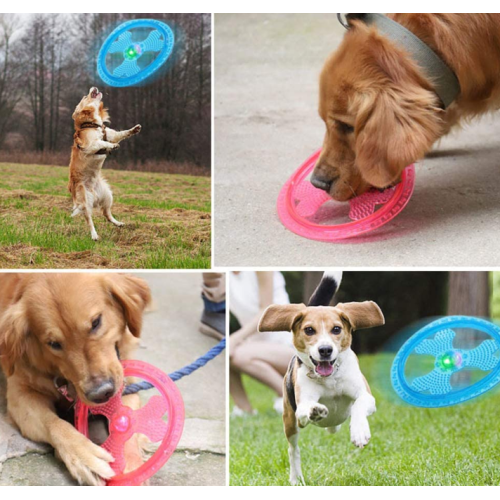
<point>125,422</point>
<point>313,214</point>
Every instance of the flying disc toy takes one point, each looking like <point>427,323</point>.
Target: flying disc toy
<point>431,369</point>
<point>134,51</point>
<point>125,422</point>
<point>313,214</point>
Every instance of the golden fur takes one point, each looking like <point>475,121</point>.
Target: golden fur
<point>93,141</point>
<point>40,313</point>
<point>381,112</point>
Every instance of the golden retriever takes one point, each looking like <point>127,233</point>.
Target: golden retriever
<point>380,110</point>
<point>93,141</point>
<point>74,328</point>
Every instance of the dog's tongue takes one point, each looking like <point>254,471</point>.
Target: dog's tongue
<point>324,368</point>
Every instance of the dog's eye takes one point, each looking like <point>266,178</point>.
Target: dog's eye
<point>96,323</point>
<point>344,128</point>
<point>55,345</point>
<point>336,330</point>
<point>309,330</point>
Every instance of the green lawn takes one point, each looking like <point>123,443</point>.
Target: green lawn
<point>459,445</point>
<point>167,221</point>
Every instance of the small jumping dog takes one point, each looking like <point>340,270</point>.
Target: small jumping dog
<point>93,142</point>
<point>324,385</point>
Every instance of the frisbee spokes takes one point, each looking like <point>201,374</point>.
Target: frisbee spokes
<point>482,357</point>
<point>124,41</point>
<point>149,421</point>
<point>436,382</point>
<point>127,68</point>
<point>153,42</point>
<point>443,341</point>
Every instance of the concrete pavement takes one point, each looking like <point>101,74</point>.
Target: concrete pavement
<point>266,125</point>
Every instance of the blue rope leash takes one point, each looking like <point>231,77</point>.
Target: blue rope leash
<point>187,370</point>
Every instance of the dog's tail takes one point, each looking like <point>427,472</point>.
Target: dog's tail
<point>326,289</point>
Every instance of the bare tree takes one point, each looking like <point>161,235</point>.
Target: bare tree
<point>10,92</point>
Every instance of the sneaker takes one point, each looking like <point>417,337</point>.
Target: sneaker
<point>278,405</point>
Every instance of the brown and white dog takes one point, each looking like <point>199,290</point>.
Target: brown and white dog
<point>381,109</point>
<point>62,337</point>
<point>324,385</point>
<point>93,141</point>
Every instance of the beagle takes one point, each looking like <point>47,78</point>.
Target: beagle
<point>324,385</point>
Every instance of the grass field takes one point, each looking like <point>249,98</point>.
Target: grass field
<point>167,221</point>
<point>458,445</point>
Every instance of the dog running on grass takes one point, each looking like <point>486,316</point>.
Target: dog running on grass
<point>93,141</point>
<point>324,385</point>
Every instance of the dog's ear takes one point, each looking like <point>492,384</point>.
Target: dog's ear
<point>398,120</point>
<point>14,331</point>
<point>280,318</point>
<point>133,295</point>
<point>362,314</point>
<point>103,112</point>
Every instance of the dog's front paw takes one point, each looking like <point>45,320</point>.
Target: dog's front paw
<point>136,130</point>
<point>360,433</point>
<point>94,235</point>
<point>318,412</point>
<point>87,462</point>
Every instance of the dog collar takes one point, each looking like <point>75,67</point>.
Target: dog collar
<point>86,125</point>
<point>443,79</point>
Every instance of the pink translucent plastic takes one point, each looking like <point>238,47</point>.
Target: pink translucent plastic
<point>300,200</point>
<point>125,422</point>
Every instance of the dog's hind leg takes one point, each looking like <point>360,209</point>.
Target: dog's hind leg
<point>83,203</point>
<point>292,434</point>
<point>106,201</point>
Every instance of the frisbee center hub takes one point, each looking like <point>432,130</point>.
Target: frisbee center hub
<point>449,361</point>
<point>133,51</point>
<point>121,423</point>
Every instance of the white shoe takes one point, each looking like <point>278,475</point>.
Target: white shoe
<point>278,405</point>
<point>238,412</point>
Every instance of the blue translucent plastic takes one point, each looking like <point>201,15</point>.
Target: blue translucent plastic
<point>434,389</point>
<point>121,41</point>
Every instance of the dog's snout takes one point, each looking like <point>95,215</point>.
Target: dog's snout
<point>102,390</point>
<point>321,182</point>
<point>325,351</point>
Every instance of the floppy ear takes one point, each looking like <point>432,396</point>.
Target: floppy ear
<point>133,295</point>
<point>362,314</point>
<point>399,120</point>
<point>280,318</point>
<point>13,336</point>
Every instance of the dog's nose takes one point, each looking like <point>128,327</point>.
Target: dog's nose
<point>320,182</point>
<point>101,391</point>
<point>325,351</point>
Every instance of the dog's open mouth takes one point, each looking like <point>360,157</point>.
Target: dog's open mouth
<point>323,368</point>
<point>94,93</point>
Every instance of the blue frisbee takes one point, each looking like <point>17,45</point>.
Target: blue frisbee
<point>134,51</point>
<point>440,382</point>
